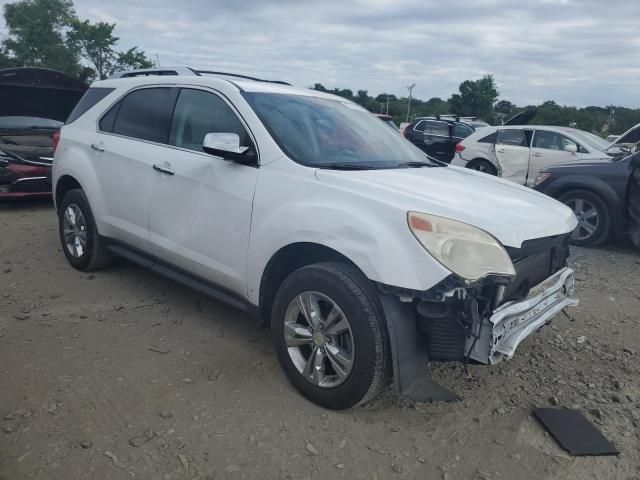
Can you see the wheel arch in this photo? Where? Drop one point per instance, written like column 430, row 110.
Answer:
column 64, row 184
column 285, row 261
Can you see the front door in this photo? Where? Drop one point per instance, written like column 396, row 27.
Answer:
column 549, row 148
column 200, row 208
column 512, row 153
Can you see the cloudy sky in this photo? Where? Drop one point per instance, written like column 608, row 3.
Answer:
column 578, row 52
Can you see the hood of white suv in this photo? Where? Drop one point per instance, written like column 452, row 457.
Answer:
column 508, row 211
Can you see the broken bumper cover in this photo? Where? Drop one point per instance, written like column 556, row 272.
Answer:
column 512, row 322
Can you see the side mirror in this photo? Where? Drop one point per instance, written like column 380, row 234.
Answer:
column 571, row 147
column 227, row 146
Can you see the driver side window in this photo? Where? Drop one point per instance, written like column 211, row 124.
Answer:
column 197, row 113
column 552, row 141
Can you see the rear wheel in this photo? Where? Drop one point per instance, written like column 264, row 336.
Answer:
column 592, row 214
column 330, row 335
column 82, row 245
column 483, row 166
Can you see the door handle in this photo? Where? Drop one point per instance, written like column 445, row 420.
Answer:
column 98, row 147
column 536, row 154
column 500, row 150
column 164, row 169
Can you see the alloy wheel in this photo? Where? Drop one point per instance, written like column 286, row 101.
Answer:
column 318, row 339
column 588, row 218
column 75, row 231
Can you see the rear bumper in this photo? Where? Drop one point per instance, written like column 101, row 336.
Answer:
column 458, row 161
column 512, row 322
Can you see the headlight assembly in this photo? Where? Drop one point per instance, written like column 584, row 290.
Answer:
column 467, row 251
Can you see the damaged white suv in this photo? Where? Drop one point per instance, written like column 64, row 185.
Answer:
column 367, row 258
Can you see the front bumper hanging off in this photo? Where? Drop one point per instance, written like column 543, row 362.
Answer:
column 511, row 323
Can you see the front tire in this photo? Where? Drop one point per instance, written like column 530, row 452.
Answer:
column 594, row 222
column 82, row 245
column 330, row 335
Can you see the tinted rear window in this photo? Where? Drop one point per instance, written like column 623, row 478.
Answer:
column 144, row 114
column 489, row 138
column 88, row 100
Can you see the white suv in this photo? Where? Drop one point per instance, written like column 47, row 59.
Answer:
column 519, row 153
column 365, row 257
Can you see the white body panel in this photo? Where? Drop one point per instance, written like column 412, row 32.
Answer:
column 224, row 221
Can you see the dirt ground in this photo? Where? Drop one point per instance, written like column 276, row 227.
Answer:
column 122, row 374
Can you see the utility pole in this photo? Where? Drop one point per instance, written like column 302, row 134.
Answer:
column 410, row 88
column 387, row 104
column 158, row 60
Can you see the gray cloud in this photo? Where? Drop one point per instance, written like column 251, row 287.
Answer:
column 579, row 52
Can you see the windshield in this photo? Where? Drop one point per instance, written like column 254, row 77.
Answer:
column 329, row 133
column 25, row 123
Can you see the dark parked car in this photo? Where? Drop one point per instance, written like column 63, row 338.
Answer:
column 438, row 136
column 604, row 195
column 34, row 103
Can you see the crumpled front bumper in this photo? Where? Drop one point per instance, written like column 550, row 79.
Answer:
column 512, row 322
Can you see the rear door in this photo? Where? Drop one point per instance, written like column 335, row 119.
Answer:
column 548, row 148
column 129, row 141
column 437, row 140
column 512, row 153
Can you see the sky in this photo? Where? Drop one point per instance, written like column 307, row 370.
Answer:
column 576, row 52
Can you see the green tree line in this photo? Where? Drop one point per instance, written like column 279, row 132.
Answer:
column 48, row 33
column 480, row 98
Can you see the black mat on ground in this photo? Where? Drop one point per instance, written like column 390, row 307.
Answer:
column 574, row 432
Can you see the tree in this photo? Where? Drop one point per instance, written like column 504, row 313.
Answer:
column 476, row 97
column 37, row 34
column 132, row 59
column 96, row 43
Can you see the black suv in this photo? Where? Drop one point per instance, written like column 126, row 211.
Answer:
column 437, row 136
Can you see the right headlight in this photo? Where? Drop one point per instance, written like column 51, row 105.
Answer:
column 467, row 251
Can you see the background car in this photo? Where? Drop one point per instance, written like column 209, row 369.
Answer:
column 34, row 103
column 388, row 119
column 519, row 152
column 604, row 195
column 437, row 136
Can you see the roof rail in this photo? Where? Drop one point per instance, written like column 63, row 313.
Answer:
column 188, row 72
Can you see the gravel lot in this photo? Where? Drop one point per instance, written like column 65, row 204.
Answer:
column 123, row 374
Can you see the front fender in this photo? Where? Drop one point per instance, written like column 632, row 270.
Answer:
column 373, row 235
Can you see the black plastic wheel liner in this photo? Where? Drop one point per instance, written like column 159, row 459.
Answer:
column 633, row 204
column 38, row 92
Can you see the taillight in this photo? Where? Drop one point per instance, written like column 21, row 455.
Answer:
column 459, row 147
column 56, row 139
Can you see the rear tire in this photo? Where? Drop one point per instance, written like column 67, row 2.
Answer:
column 594, row 221
column 483, row 166
column 363, row 344
column 81, row 244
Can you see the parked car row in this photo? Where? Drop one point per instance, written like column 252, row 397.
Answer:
column 367, row 258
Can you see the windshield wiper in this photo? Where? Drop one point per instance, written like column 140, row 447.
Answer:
column 417, row 164
column 344, row 166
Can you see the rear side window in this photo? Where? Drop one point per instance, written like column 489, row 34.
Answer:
column 197, row 113
column 420, row 126
column 489, row 138
column 144, row 114
column 461, row 131
column 88, row 100
column 512, row 137
column 440, row 129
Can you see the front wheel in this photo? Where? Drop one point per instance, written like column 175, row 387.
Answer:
column 330, row 336
column 593, row 217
